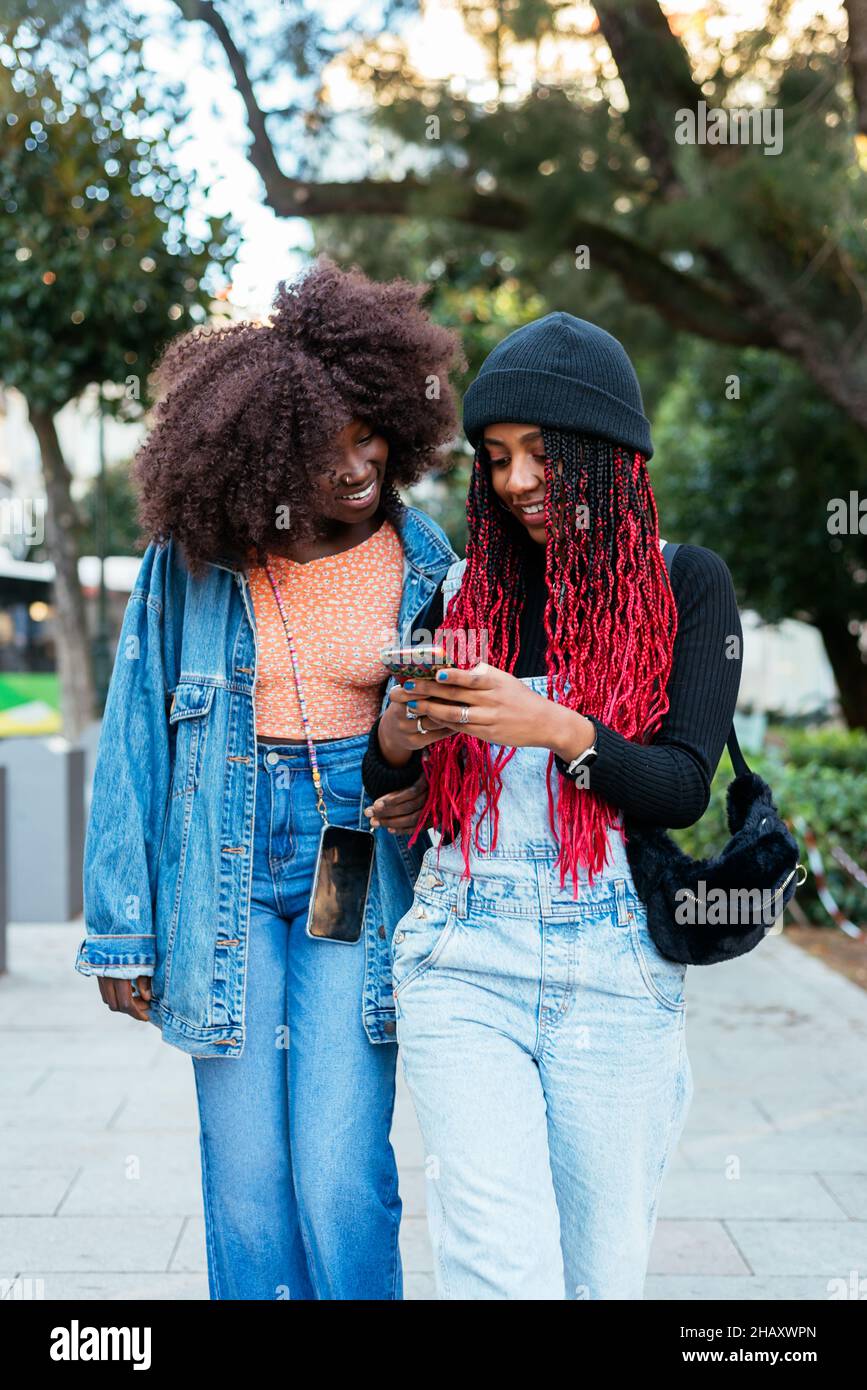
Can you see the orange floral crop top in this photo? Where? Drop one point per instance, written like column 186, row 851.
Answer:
column 342, row 610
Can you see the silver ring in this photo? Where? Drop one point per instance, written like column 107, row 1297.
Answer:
column 465, row 714
column 418, row 724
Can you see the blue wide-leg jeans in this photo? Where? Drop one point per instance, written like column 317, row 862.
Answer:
column 298, row 1175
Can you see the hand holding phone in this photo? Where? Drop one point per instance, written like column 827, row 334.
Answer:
column 398, row 736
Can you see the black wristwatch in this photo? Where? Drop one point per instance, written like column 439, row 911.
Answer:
column 572, row 768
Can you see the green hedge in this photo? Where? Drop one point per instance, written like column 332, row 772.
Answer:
column 819, row 774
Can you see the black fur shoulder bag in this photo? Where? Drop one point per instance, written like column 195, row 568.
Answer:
column 701, row 911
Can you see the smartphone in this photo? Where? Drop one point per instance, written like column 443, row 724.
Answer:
column 407, row 662
column 341, row 884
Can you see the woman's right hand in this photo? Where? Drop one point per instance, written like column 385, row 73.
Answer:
column 118, row 995
column 399, row 737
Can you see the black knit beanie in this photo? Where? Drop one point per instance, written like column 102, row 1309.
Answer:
column 562, row 372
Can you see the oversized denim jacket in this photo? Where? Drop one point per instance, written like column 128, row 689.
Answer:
column 167, row 856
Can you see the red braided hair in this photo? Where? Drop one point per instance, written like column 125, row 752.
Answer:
column 610, row 623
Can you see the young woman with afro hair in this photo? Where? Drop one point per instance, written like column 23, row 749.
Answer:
column 279, row 554
column 541, row 1030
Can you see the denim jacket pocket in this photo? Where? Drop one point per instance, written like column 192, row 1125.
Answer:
column 190, row 704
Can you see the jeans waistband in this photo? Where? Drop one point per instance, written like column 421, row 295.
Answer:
column 524, row 888
column 328, row 752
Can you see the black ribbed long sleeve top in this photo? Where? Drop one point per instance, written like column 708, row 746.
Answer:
column 666, row 782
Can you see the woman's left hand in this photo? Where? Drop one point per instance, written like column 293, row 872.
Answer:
column 500, row 708
column 398, row 812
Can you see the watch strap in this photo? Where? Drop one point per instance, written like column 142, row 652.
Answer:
column 565, row 765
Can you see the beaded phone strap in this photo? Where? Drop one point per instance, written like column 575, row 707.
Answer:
column 317, row 777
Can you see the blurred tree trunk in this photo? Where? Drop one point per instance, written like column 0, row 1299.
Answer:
column 857, row 13
column 71, row 641
column 849, row 667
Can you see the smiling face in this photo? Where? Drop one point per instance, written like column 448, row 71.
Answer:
column 517, row 455
column 348, row 489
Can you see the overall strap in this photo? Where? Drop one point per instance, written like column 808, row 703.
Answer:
column 452, row 580
column 739, row 762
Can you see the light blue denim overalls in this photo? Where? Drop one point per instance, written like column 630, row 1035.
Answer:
column 542, row 1039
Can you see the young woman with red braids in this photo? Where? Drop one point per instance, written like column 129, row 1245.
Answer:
column 541, row 1031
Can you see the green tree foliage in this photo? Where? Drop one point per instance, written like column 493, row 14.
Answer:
column 99, row 267
column 567, row 158
column 121, row 524
column 101, row 262
column 751, row 475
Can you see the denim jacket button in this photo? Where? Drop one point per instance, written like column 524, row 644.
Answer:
column 389, row 1027
column 381, row 933
column 272, row 758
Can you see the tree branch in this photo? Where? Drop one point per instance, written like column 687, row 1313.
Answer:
column 684, row 301
column 261, row 154
column 725, row 310
column 655, row 71
column 844, row 381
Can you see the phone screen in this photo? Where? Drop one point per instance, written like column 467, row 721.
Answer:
column 340, row 888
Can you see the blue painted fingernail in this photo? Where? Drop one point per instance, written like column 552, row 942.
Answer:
column 442, row 675
column 409, row 685
column 412, row 704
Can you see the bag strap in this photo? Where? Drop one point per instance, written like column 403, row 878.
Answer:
column 739, row 762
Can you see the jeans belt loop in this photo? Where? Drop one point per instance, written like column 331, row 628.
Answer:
column 620, row 895
column 461, row 897
column 543, row 885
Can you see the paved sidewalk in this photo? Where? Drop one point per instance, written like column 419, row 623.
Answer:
column 767, row 1196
